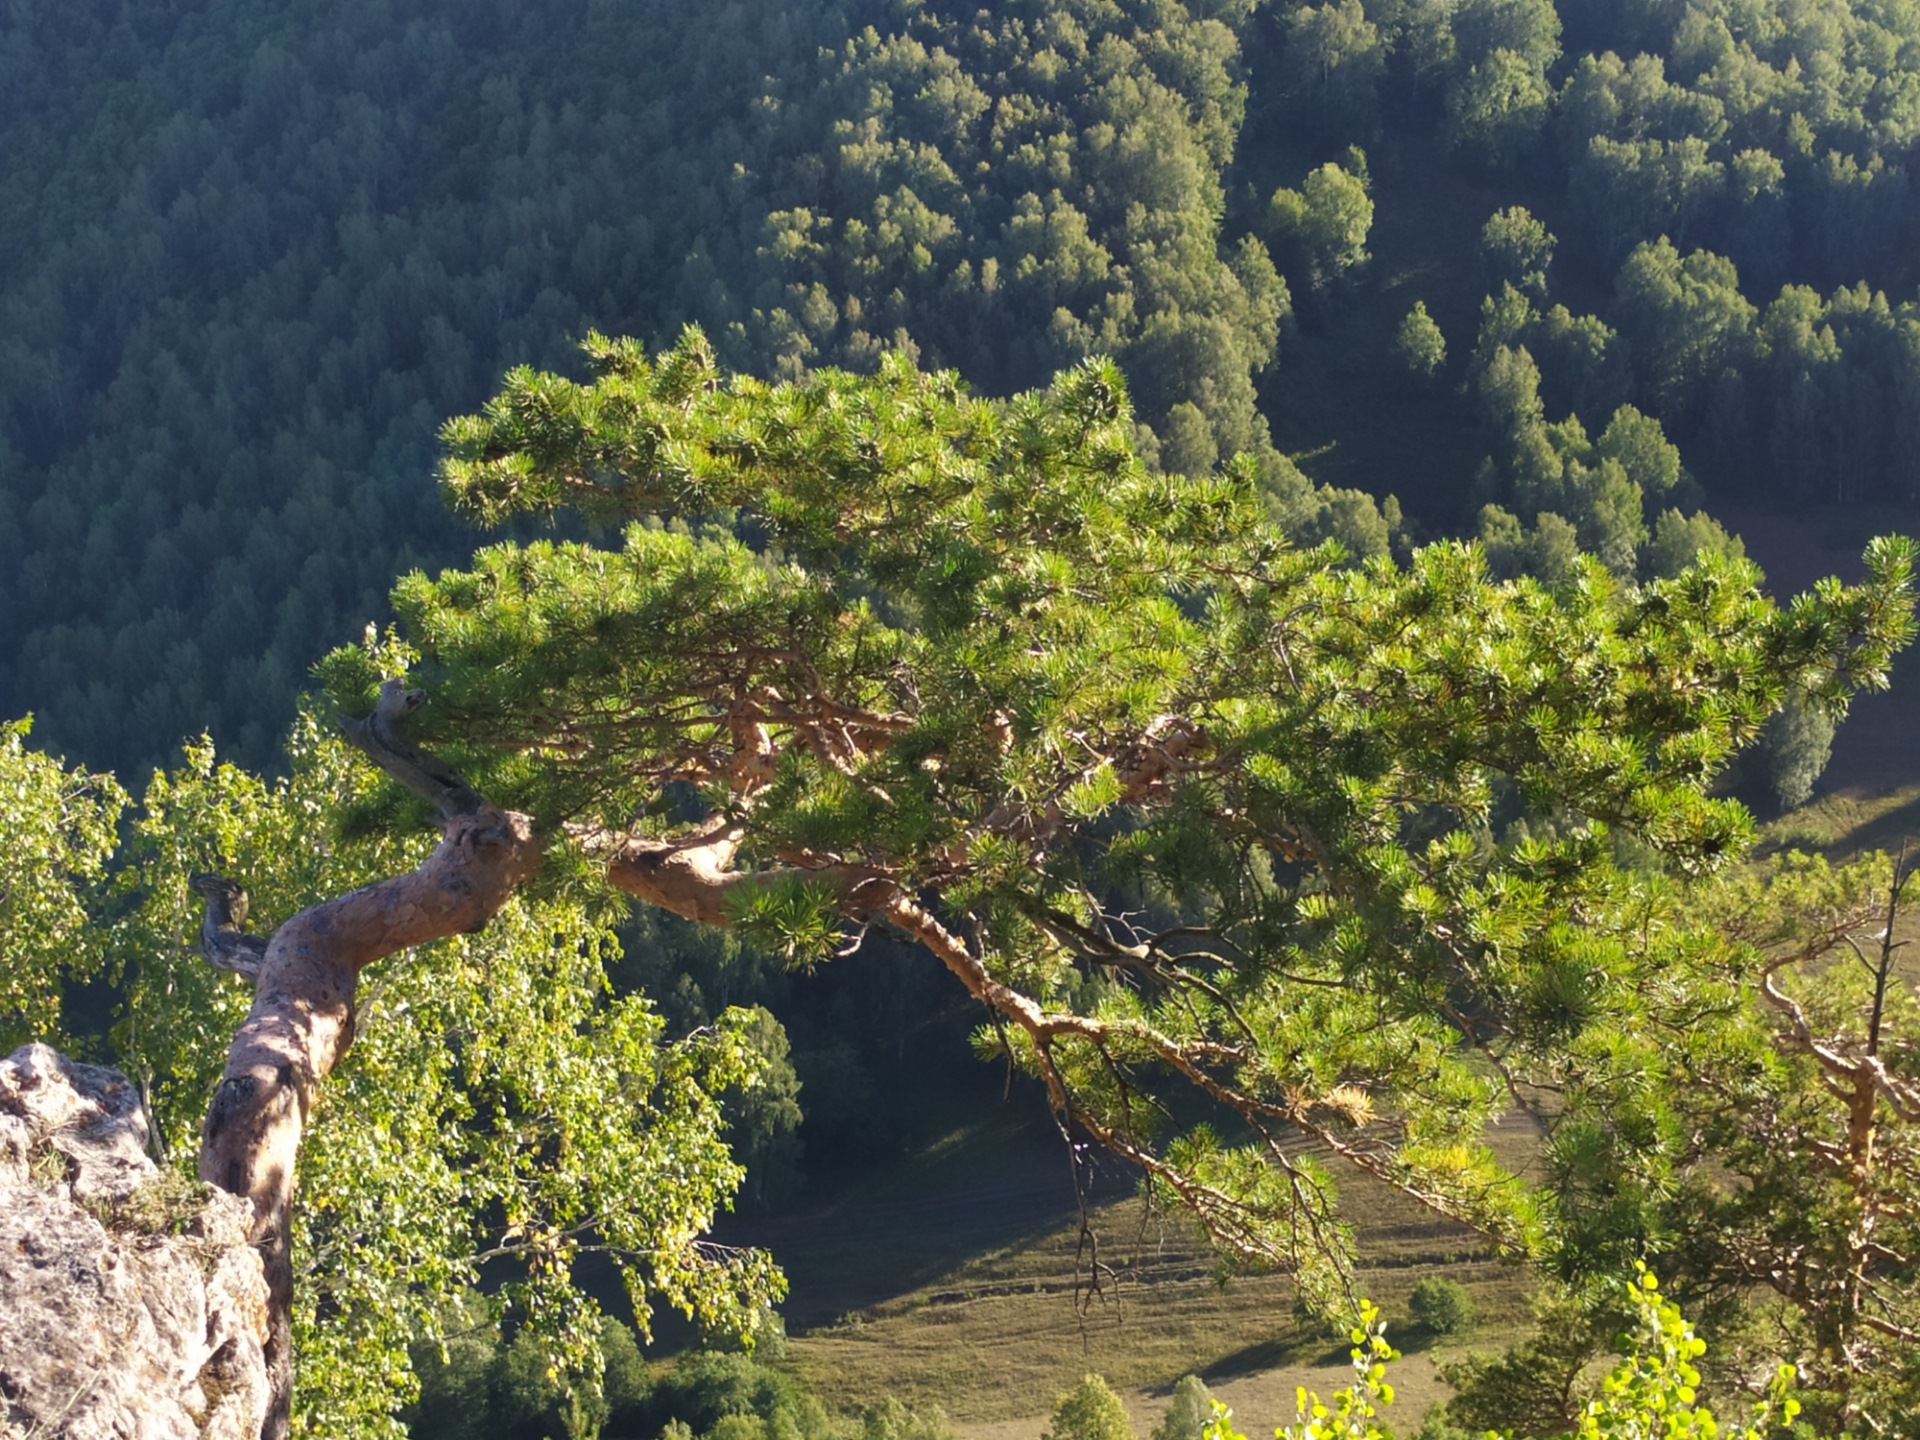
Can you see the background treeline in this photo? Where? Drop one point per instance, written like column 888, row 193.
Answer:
column 1734, row 180
column 256, row 254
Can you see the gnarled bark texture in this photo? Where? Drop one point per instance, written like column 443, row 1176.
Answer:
column 301, row 1023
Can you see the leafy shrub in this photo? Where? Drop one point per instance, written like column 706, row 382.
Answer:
column 1187, row 1416
column 1443, row 1307
column 1090, row 1411
column 890, row 1420
column 708, row 1385
column 479, row 1388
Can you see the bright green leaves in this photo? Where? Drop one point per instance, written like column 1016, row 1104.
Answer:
column 273, row 838
column 496, row 1104
column 1655, row 1389
column 59, row 825
column 1351, row 1413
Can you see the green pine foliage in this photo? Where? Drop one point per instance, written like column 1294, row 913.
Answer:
column 977, row 592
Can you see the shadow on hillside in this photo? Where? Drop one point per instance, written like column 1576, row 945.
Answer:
column 1291, row 1350
column 1890, row 830
column 1250, row 1360
column 996, row 1187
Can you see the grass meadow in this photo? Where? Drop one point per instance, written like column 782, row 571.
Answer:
column 969, row 1278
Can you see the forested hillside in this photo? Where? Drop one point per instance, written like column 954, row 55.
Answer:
column 261, row 254
column 1491, row 253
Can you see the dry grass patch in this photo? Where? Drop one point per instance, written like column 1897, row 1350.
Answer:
column 965, row 1281
column 1847, row 823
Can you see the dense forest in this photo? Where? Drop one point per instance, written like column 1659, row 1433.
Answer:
column 257, row 255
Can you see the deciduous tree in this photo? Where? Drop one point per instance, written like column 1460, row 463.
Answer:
column 1419, row 342
column 496, row 1105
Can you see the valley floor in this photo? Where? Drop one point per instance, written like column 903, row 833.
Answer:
column 964, row 1279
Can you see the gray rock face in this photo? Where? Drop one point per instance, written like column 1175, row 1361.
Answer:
column 131, row 1305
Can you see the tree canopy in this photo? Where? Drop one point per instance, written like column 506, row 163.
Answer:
column 259, row 254
column 1132, row 699
column 1174, row 800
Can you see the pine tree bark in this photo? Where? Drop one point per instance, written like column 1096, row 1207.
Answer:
column 301, row 1022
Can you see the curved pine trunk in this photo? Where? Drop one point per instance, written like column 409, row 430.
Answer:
column 301, row 1023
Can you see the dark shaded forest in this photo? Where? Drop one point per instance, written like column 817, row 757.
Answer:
column 257, row 254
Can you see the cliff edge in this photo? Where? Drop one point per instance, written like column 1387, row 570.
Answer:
column 132, row 1306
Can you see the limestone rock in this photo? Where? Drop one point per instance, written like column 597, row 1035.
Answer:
column 131, row 1305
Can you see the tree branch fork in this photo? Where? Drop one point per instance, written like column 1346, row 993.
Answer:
column 694, row 874
column 305, row 976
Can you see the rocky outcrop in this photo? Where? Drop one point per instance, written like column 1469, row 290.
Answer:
column 132, row 1306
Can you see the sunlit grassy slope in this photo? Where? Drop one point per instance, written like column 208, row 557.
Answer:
column 963, row 1278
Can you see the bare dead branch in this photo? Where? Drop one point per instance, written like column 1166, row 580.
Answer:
column 224, row 943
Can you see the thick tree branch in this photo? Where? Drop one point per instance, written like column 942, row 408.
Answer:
column 690, row 876
column 301, row 1022
column 382, row 737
